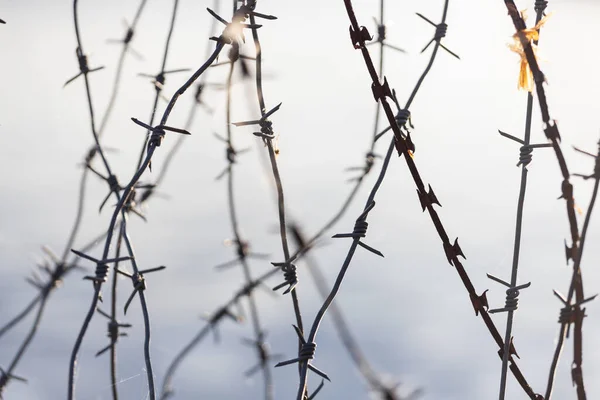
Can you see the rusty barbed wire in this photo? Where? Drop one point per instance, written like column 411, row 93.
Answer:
column 572, row 313
column 405, row 147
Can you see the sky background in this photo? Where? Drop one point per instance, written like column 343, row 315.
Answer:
column 409, row 310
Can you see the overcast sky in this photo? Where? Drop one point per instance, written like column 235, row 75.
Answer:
column 408, row 310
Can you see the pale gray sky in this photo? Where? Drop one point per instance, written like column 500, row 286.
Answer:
column 425, row 334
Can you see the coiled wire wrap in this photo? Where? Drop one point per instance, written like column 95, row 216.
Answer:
column 100, row 274
column 83, row 61
column 360, row 228
column 511, row 303
column 512, row 299
column 525, row 155
column 289, row 275
column 307, row 351
column 440, row 31
column 567, row 315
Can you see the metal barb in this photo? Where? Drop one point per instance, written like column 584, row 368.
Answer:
column 512, row 295
column 305, row 354
column 360, row 230
column 84, row 69
column 289, row 275
column 440, row 33
column 263, row 352
column 139, row 282
column 113, row 329
column 102, row 268
column 525, row 151
column 233, row 30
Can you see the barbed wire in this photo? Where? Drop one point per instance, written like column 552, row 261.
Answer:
column 513, row 291
column 242, row 246
column 552, row 133
column 405, row 147
column 158, row 80
column 360, row 228
column 129, row 200
column 57, row 268
column 358, row 357
column 125, row 49
column 230, row 33
column 267, row 134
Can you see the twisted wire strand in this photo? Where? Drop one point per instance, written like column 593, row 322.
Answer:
column 525, row 157
column 340, row 324
column 44, row 291
column 553, row 134
column 137, row 275
column 254, row 314
column 266, row 128
column 59, row 272
column 113, row 316
column 160, row 80
column 360, row 226
column 152, row 145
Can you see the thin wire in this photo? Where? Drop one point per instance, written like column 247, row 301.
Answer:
column 381, row 51
column 256, row 326
column 120, row 64
column 113, row 315
column 144, row 306
column 126, row 193
column 553, row 134
column 339, row 320
column 579, row 313
column 158, row 85
column 88, row 92
column 274, row 165
column 192, row 114
column 60, row 272
column 340, row 277
column 517, row 240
